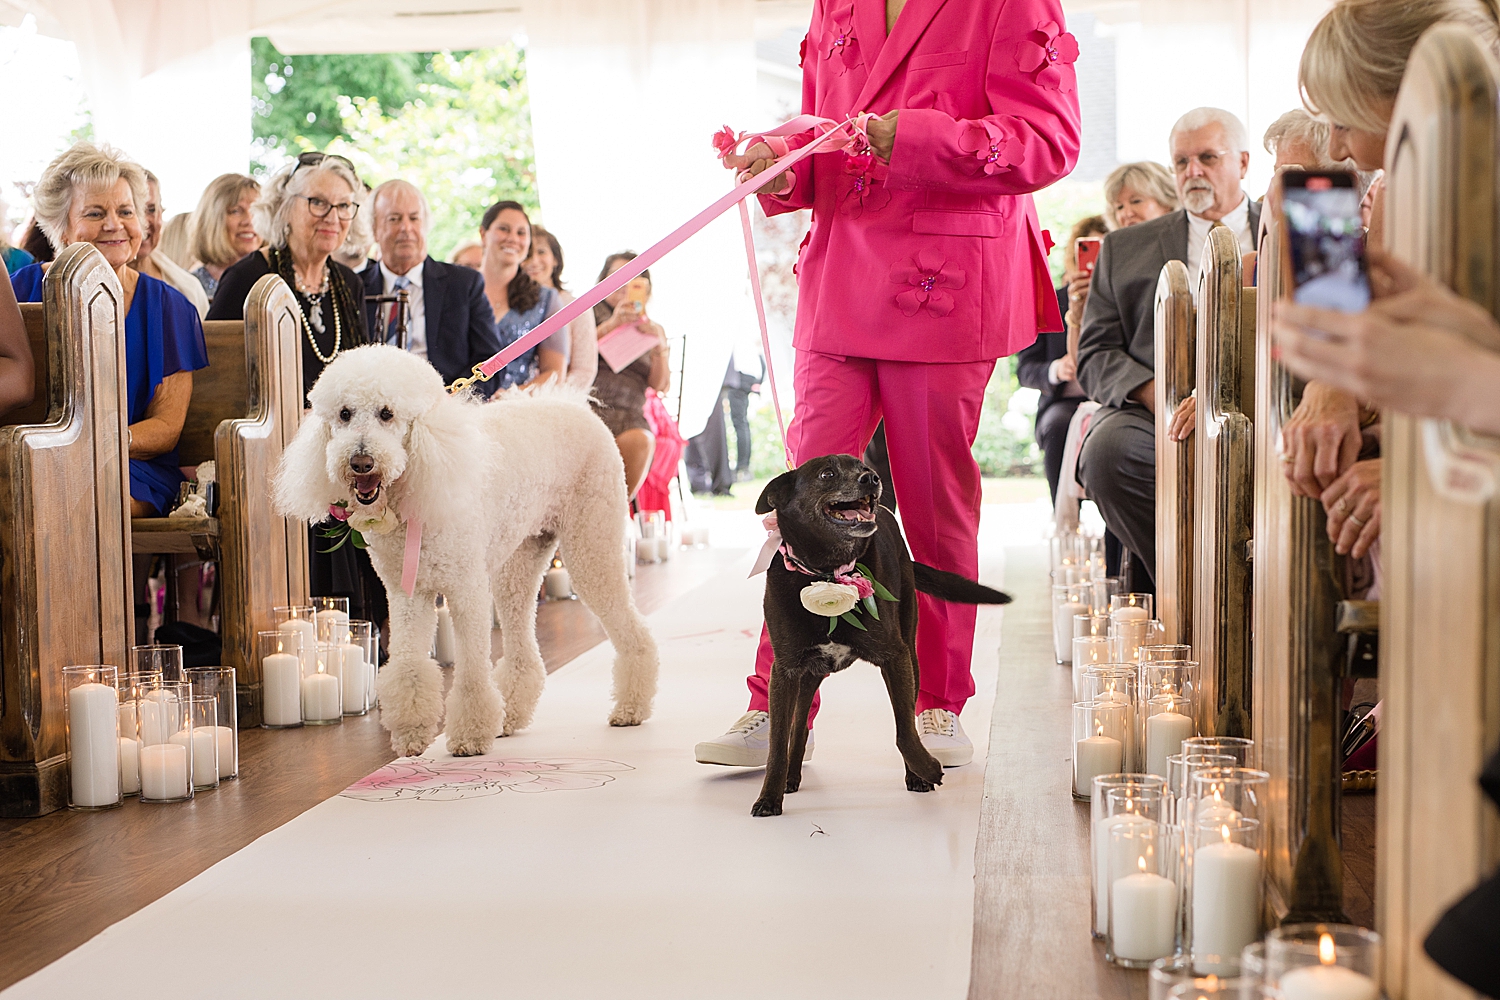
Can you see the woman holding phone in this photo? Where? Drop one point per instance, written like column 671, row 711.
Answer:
column 520, row 304
column 622, row 393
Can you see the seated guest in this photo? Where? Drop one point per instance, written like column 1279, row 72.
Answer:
column 14, row 258
column 1297, row 139
column 622, row 395
column 469, row 254
column 17, row 373
column 1048, row 367
column 223, row 229
column 1117, row 346
column 158, row 265
column 35, row 243
column 545, row 265
column 89, row 194
column 519, row 302
column 450, row 322
column 177, row 241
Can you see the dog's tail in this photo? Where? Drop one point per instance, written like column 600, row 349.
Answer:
column 955, row 588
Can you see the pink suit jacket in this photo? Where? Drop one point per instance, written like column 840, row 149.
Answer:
column 936, row 256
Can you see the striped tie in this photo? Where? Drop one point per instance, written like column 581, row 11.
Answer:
column 390, row 328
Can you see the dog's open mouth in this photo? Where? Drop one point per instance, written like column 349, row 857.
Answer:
column 367, row 488
column 851, row 511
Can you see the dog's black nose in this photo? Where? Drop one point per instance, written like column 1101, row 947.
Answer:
column 362, row 465
column 868, row 478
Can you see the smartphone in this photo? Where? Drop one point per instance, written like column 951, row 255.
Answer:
column 638, row 291
column 1086, row 252
column 1327, row 240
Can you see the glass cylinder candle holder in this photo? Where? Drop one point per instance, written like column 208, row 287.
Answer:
column 1068, row 601
column 1113, row 682
column 1125, row 607
column 1130, row 634
column 1091, row 625
column 166, row 765
column 1166, row 720
column 1212, row 987
column 322, row 696
column 1095, row 753
column 1105, row 587
column 1156, row 653
column 220, row 683
column 1089, row 651
column 1228, row 809
column 1116, row 800
column 280, row 655
column 165, row 660
column 1143, row 899
column 1167, row 973
column 1066, row 548
column 300, row 619
column 91, row 718
column 131, row 688
column 1253, row 961
column 363, row 635
column 1313, row 961
column 200, row 737
column 1180, row 770
column 332, row 610
column 1238, row 747
column 558, row 585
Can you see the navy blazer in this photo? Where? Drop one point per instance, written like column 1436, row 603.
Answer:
column 460, row 323
column 1034, row 362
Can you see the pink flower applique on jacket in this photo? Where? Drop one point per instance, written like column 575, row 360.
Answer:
column 992, row 147
column 926, row 275
column 1045, row 53
column 841, row 47
column 864, row 182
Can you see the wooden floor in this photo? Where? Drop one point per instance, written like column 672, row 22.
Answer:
column 69, row 875
column 1031, row 902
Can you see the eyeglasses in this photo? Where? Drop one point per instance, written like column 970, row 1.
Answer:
column 312, row 158
column 1208, row 160
column 319, row 208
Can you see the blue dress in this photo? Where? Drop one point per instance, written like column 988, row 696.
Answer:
column 15, row 259
column 514, row 325
column 163, row 336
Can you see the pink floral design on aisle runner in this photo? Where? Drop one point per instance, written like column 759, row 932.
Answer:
column 1046, row 53
column 449, row 778
column 927, row 274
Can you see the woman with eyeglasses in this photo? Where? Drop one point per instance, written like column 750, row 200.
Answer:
column 304, row 214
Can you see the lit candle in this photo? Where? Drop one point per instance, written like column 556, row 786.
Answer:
column 203, row 742
column 320, row 698
column 128, row 721
column 93, row 745
column 1226, row 898
column 1165, row 732
column 130, row 765
column 309, row 633
column 1129, row 614
column 559, row 585
column 164, row 771
column 225, row 736
column 446, row 643
column 1099, row 754
column 353, row 677
column 158, row 713
column 1062, row 628
column 281, row 689
column 1120, row 726
column 1143, row 915
column 1103, row 832
column 1327, row 981
column 664, row 548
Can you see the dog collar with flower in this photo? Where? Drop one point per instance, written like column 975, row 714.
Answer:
column 352, row 526
column 840, row 595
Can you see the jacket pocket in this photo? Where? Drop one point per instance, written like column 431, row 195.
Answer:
column 945, row 223
column 932, row 60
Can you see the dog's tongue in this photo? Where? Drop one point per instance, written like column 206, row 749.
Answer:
column 367, row 483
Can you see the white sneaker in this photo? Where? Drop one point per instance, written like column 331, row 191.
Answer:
column 944, row 738
column 745, row 745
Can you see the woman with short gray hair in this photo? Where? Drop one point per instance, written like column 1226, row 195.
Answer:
column 304, row 214
column 1138, row 192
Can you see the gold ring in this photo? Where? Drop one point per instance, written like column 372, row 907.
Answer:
column 1357, row 521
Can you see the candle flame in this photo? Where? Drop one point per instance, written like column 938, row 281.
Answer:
column 1098, row 727
column 1140, row 863
column 1325, row 949
column 1224, row 830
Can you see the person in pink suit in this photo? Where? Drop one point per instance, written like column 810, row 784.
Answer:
column 925, row 264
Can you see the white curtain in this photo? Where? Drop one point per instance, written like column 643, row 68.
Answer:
column 625, row 95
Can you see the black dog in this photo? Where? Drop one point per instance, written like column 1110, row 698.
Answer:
column 833, row 531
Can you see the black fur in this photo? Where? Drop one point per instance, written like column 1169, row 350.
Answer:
column 805, row 652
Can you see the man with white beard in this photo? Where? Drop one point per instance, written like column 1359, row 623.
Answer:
column 1117, row 346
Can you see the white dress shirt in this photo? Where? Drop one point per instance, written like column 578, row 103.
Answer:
column 416, row 326
column 1238, row 222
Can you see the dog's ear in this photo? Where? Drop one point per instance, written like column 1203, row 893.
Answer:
column 777, row 492
column 303, row 489
column 442, row 447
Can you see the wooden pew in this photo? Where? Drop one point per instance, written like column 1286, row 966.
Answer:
column 1225, row 443
column 1440, row 615
column 1297, row 655
column 64, row 533
column 246, row 408
column 1176, row 507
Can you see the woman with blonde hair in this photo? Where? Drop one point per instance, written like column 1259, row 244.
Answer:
column 223, row 231
column 1138, row 192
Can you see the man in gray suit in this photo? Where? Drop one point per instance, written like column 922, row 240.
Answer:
column 1117, row 346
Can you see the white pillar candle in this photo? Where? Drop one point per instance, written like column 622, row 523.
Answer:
column 1165, row 732
column 203, row 742
column 158, row 714
column 128, row 720
column 309, row 633
column 94, row 744
column 1327, row 982
column 130, row 765
column 225, row 735
column 664, row 547
column 372, row 672
column 164, row 771
column 1128, row 614
column 1143, row 917
column 1121, row 726
column 446, row 643
column 330, row 615
column 320, row 698
column 1092, row 757
column 353, row 677
column 1062, row 629
column 559, row 585
column 1226, row 899
column 281, row 689
column 1102, row 858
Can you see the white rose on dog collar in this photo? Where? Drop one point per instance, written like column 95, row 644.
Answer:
column 824, row 597
column 382, row 524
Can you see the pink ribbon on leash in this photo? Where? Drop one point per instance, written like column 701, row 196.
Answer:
column 413, row 555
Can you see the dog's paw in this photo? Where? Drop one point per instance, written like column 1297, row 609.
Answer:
column 793, row 782
column 916, row 783
column 629, row 715
column 766, row 806
column 470, row 746
column 410, row 743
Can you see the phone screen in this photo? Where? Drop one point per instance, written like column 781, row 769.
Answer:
column 1086, row 252
column 1327, row 240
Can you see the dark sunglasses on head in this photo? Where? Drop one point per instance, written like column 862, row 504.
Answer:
column 312, row 158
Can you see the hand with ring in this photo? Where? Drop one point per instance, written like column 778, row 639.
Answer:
column 1353, row 507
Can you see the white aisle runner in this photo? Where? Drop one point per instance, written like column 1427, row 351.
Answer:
column 580, row 861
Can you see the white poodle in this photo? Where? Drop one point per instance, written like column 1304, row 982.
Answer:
column 496, row 487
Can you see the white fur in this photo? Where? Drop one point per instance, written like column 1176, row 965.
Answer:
column 496, row 486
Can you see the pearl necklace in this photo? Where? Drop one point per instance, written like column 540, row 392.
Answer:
column 315, row 300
